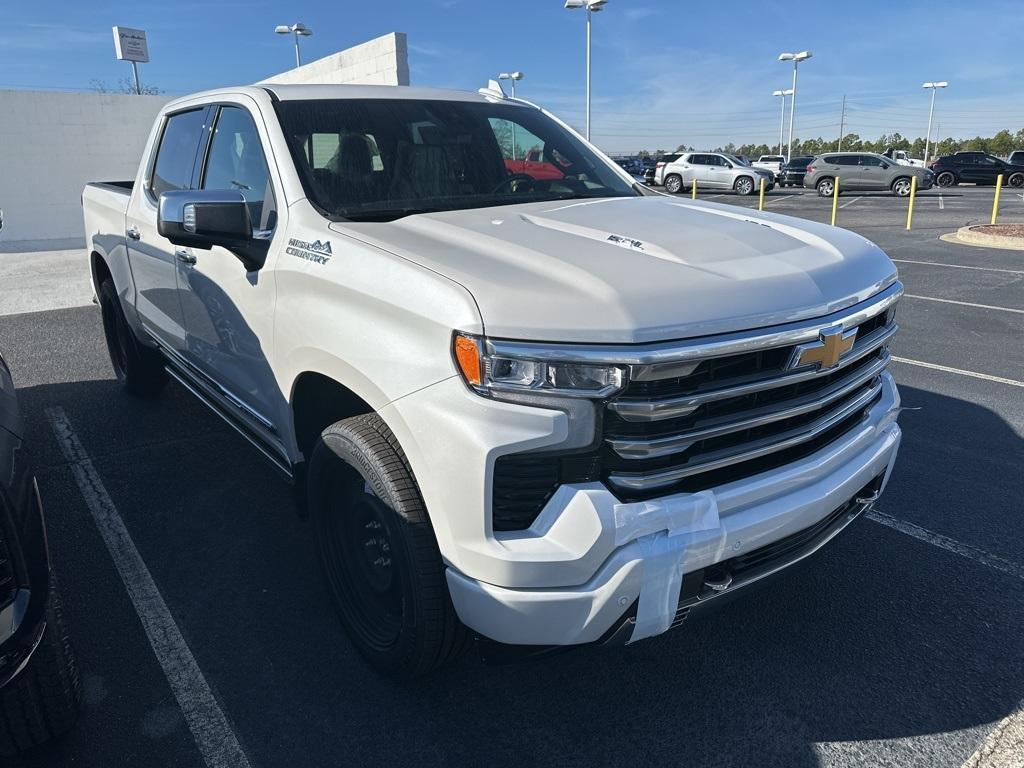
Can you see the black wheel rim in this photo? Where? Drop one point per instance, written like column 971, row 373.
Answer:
column 945, row 179
column 359, row 560
column 1017, row 180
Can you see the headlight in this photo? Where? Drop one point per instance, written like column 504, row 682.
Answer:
column 487, row 373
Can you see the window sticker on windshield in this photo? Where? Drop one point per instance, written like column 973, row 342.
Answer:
column 319, row 251
column 626, row 242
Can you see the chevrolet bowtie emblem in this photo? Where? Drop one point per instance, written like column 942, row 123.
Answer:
column 826, row 352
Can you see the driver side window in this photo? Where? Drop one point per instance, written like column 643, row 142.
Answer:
column 236, row 162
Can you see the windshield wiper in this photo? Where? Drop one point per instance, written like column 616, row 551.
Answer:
column 382, row 214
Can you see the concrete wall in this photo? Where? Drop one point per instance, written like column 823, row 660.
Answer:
column 51, row 144
column 382, row 61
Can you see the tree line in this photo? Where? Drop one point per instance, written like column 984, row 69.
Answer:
column 1002, row 144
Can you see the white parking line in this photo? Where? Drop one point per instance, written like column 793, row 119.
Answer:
column 960, row 266
column 849, row 202
column 965, row 303
column 942, row 202
column 213, row 736
column 960, row 371
column 779, row 198
column 950, row 545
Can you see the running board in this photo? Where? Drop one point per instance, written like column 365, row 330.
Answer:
column 279, row 463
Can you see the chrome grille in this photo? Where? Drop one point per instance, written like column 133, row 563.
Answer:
column 700, row 419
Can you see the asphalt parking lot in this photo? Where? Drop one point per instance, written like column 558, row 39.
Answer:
column 900, row 645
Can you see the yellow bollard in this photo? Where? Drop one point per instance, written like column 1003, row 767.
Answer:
column 835, row 199
column 693, row 190
column 995, row 202
column 913, row 194
column 760, row 203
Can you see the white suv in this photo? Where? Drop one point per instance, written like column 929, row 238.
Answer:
column 714, row 170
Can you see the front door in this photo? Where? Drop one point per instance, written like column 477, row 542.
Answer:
column 228, row 312
column 152, row 258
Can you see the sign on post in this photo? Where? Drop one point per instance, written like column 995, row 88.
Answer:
column 130, row 44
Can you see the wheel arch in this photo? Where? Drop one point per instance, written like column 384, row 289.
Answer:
column 319, row 400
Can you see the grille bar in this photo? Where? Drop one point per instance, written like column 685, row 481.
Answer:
column 640, row 448
column 668, row 408
column 645, row 481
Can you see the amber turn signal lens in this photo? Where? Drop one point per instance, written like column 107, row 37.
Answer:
column 467, row 355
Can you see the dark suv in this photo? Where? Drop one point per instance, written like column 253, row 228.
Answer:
column 975, row 168
column 792, row 173
column 39, row 685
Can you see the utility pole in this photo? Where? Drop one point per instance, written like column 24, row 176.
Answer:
column 842, row 124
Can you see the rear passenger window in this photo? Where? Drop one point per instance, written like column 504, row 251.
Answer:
column 176, row 156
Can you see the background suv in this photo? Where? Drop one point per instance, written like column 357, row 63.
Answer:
column 792, row 173
column 712, row 170
column 976, row 168
column 863, row 171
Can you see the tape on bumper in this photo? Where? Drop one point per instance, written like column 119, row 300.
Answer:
column 664, row 530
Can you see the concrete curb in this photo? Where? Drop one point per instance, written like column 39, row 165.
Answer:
column 975, row 235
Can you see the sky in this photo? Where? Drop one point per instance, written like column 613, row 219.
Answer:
column 665, row 72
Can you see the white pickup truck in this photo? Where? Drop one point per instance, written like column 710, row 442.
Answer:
column 771, row 163
column 539, row 408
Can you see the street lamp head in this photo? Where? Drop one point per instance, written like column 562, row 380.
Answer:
column 802, row 55
column 283, row 29
column 787, row 92
column 591, row 5
column 942, row 84
column 299, row 29
column 786, row 56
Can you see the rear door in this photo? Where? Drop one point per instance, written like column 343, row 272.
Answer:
column 153, row 259
column 847, row 169
column 968, row 168
column 228, row 312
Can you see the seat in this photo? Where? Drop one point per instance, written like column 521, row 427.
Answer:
column 422, row 172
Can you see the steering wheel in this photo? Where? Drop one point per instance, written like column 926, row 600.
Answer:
column 514, row 177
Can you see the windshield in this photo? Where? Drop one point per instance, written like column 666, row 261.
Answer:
column 381, row 159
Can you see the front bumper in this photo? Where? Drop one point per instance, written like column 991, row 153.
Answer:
column 752, row 515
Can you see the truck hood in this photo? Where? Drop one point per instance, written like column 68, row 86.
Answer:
column 633, row 270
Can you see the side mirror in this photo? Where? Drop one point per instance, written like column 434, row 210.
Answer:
column 203, row 218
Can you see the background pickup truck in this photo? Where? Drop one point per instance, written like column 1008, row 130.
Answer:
column 771, row 163
column 538, row 410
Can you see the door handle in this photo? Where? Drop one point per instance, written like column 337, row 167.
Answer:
column 133, row 233
column 184, row 256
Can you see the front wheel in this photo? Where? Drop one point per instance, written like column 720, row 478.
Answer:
column 744, row 185
column 673, row 183
column 901, row 187
column 826, row 187
column 946, row 179
column 1016, row 180
column 378, row 550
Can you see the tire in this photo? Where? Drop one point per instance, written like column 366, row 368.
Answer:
column 139, row 369
column 378, row 550
column 901, row 187
column 673, row 183
column 42, row 702
column 744, row 185
column 946, row 179
column 826, row 187
column 1016, row 180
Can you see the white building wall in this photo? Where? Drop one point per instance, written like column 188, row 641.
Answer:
column 381, row 61
column 51, row 144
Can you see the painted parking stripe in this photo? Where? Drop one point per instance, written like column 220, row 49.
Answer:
column 780, row 198
column 950, row 545
column 210, row 729
column 959, row 371
column 849, row 202
column 960, row 266
column 965, row 303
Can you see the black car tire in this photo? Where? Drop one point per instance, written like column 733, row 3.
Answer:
column 139, row 369
column 1016, row 180
column 901, row 186
column 825, row 186
column 42, row 702
column 378, row 550
column 744, row 185
column 946, row 179
column 673, row 183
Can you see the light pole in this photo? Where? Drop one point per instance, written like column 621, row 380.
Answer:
column 796, row 58
column 298, row 30
column 592, row 6
column 931, row 110
column 513, row 76
column 782, row 117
